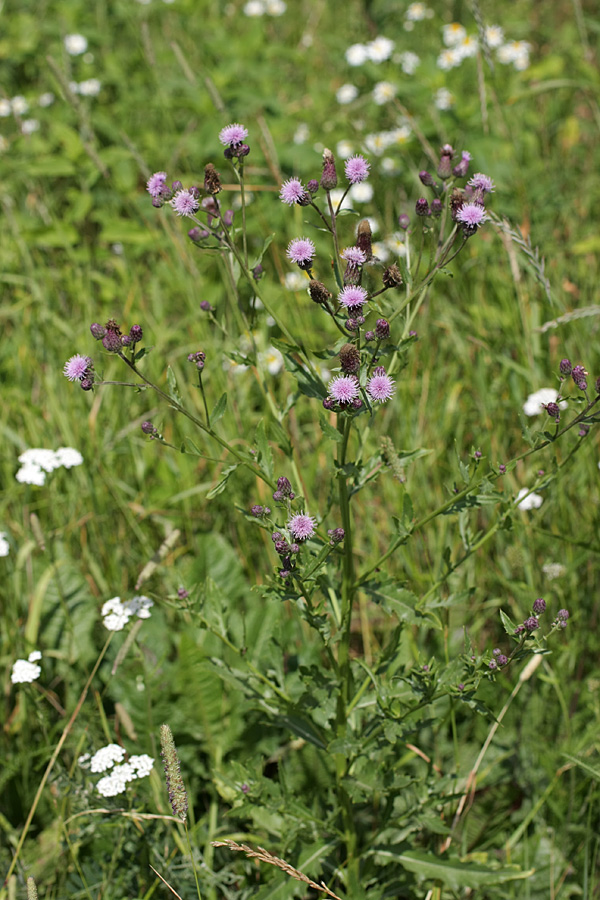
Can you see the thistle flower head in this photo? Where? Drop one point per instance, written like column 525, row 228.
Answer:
column 184, row 203
column 352, row 296
column 356, row 169
column 302, row 252
column 157, row 184
column 481, row 182
column 471, row 216
column 175, row 786
column 233, row 135
column 76, row 367
column 354, row 256
column 292, row 191
column 301, row 526
column 343, row 389
column 380, row 387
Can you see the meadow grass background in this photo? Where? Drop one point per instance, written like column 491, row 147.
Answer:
column 82, row 243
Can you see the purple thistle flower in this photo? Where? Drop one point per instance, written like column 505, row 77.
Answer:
column 301, row 251
column 343, row 388
column 184, row 203
column 232, row 135
column 461, row 168
column 291, row 191
column 354, row 256
column 352, row 296
column 301, row 526
column 76, row 367
column 156, row 184
column 471, row 215
column 357, row 169
column 481, row 182
column 380, row 387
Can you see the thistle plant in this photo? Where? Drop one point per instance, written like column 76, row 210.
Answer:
column 358, row 710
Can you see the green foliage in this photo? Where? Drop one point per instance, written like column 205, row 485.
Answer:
column 345, row 743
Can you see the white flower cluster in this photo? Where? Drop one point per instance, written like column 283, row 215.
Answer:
column 26, row 670
column 443, row 99
column 533, row 405
column 255, row 8
column 553, row 570
column 122, row 774
column 271, row 359
column 378, row 143
column 117, row 614
column 37, row 461
column 528, row 500
column 375, row 51
column 416, row 12
column 4, row 545
column 75, row 44
column 461, row 46
column 91, row 87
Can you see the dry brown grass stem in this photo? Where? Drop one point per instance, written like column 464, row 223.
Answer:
column 263, row 855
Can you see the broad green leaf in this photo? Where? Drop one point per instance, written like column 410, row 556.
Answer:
column 332, row 433
column 172, row 382
column 455, row 874
column 509, row 625
column 222, row 483
column 219, row 409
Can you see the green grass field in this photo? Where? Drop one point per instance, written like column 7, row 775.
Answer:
column 349, row 723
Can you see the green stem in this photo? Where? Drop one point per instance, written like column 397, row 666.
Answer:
column 187, row 834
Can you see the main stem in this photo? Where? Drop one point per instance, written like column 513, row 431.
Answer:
column 345, row 675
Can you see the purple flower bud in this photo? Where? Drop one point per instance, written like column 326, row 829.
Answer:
column 413, row 334
column 493, row 664
column 349, row 359
column 578, row 375
column 496, row 651
column 478, row 454
column 369, row 336
column 531, row 624
column 198, row 358
column 553, row 410
column 241, row 151
column 583, row 430
column 276, row 536
column 356, row 403
column 460, row 687
column 336, row 535
column 351, row 325
column 563, row 614
column 539, row 606
column 392, row 277
column 328, row 404
column 404, row 221
column 282, row 547
column 257, row 511
column 112, row 341
column 382, row 329
column 244, row 789
column 257, row 272
column 148, row 428
column 228, row 218
column 126, row 340
column 502, row 469
column 176, row 186
column 422, row 207
column 284, row 485
column 565, row 367
column 329, row 176
column 502, row 659
column 460, row 169
column 445, row 166
column 98, row 331
column 437, row 207
column 182, row 593
column 313, row 186
column 519, row 629
column 87, row 383
column 206, row 306
column 426, row 179
column 136, row 333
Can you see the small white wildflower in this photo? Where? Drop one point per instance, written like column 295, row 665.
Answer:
column 31, row 474
column 139, row 606
column 46, row 99
column 40, row 456
column 443, row 99
column 28, row 126
column 467, row 47
column 237, row 200
column 533, row 404
column 4, row 545
column 75, row 44
column 396, row 243
column 90, row 88
column 294, row 281
column 409, row 62
column 106, row 757
column 380, row 251
column 379, row 49
column 19, row 105
column 68, row 457
column 142, row 764
column 346, row 94
column 84, row 760
column 416, row 12
column 357, row 54
column 453, row 34
column 398, row 136
column 494, row 36
column 254, row 8
column 383, row 92
column 344, row 149
column 271, row 360
column 376, row 144
column 527, row 501
column 275, row 7
column 5, row 108
column 389, row 165
column 116, row 615
column 361, row 193
column 553, row 570
column 515, row 52
column 301, row 133
column 24, row 671
column 449, row 59
column 336, row 196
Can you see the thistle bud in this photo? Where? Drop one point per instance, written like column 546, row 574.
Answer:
column 329, row 176
column 445, row 166
column 404, row 221
column 422, row 207
column 363, row 238
column 427, row 179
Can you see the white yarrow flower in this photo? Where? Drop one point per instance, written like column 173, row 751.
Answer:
column 24, row 671
column 453, row 34
column 28, row 126
column 553, row 570
column 357, row 54
column 379, row 49
column 275, row 7
column 295, row 281
column 90, row 88
column 409, row 62
column 416, row 12
column 346, row 94
column 443, row 99
column 31, row 474
column 527, row 500
column 4, row 545
column 19, row 105
column 75, row 44
column 106, row 757
column 68, row 457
